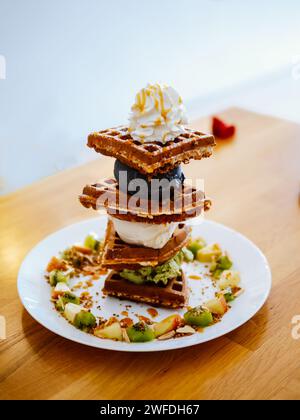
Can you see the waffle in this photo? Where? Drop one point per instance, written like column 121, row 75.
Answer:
column 119, row 255
column 174, row 295
column 189, row 202
column 151, row 158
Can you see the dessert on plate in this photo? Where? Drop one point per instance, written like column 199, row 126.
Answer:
column 147, row 255
column 149, row 201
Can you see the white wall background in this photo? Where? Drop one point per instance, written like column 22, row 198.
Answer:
column 73, row 66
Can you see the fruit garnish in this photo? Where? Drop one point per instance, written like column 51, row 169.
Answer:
column 217, row 306
column 140, row 333
column 209, row 253
column 71, row 310
column 76, row 309
column 113, row 332
column 229, row 297
column 84, row 320
column 166, row 325
column 221, row 264
column 65, row 298
column 195, row 245
column 60, row 289
column 229, row 278
column 221, row 129
column 199, row 316
column 92, row 242
column 57, row 276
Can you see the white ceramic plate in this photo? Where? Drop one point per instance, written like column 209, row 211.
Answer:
column 34, row 291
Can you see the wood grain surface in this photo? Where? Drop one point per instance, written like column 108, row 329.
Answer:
column 254, row 182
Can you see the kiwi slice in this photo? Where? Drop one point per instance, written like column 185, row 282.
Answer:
column 57, row 276
column 195, row 245
column 84, row 320
column 66, row 298
column 92, row 242
column 198, row 316
column 140, row 333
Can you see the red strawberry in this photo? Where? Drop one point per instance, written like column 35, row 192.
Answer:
column 222, row 130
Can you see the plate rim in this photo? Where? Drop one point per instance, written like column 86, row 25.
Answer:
column 140, row 347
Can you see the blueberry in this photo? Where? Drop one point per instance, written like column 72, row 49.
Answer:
column 131, row 184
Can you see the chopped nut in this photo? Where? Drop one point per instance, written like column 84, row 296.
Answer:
column 166, row 336
column 83, row 249
column 238, row 293
column 144, row 319
column 125, row 335
column 187, row 329
column 111, row 321
column 56, row 264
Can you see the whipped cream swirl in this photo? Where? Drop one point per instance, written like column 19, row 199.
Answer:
column 158, row 114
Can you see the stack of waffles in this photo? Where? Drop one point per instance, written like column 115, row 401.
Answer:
column 132, row 217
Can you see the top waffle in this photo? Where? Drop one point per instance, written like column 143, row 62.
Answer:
column 151, row 158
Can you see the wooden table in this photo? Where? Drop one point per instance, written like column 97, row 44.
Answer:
column 254, row 183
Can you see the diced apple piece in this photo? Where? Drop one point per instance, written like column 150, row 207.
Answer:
column 168, row 324
column 209, row 253
column 113, row 332
column 228, row 279
column 60, row 289
column 64, row 298
column 71, row 310
column 217, row 306
column 195, row 244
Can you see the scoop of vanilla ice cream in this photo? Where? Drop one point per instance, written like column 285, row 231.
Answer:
column 158, row 114
column 145, row 234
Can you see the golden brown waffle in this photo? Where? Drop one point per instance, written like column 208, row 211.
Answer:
column 174, row 295
column 189, row 202
column 119, row 255
column 151, row 158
